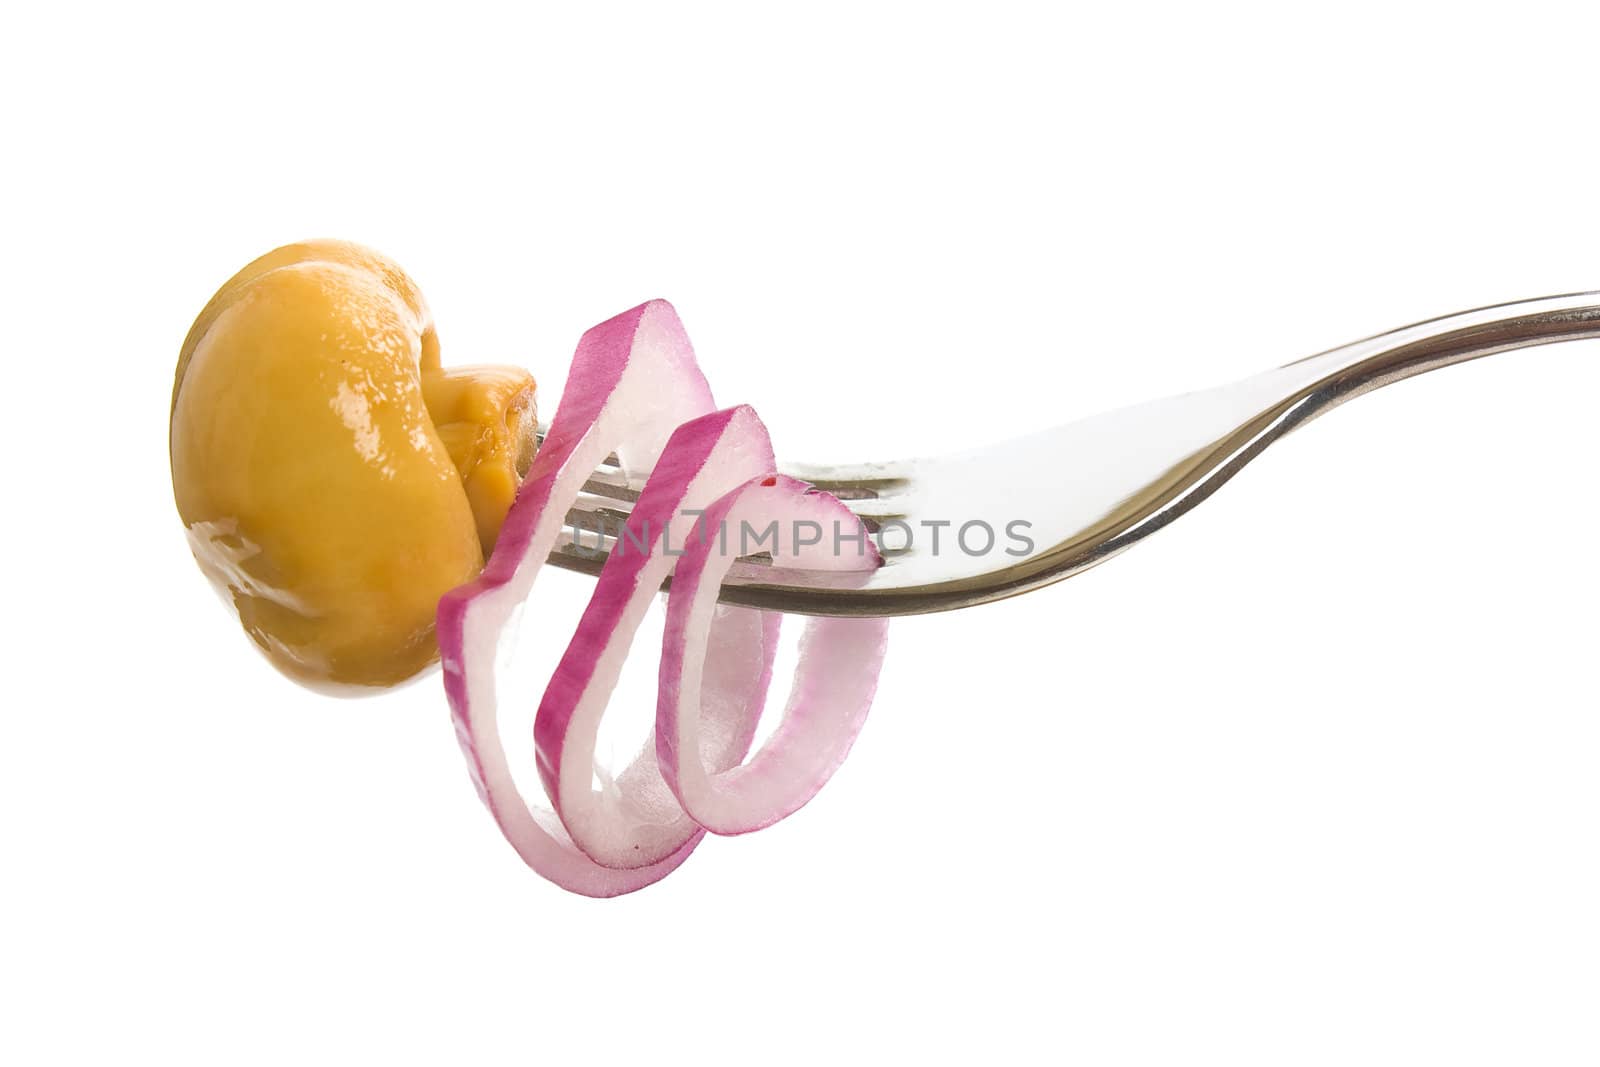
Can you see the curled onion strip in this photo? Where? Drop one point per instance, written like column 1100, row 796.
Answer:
column 634, row 390
column 634, row 820
column 835, row 677
column 633, row 381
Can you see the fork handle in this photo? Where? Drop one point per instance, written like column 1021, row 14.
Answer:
column 1348, row 371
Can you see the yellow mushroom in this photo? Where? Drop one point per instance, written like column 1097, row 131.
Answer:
column 334, row 479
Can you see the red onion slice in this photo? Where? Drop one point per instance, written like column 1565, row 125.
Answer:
column 835, row 678
column 635, row 821
column 633, row 381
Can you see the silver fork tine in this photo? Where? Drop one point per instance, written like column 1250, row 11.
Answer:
column 613, row 486
column 868, row 489
column 603, row 506
column 608, row 496
column 846, row 481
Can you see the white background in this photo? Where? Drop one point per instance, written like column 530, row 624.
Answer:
column 1309, row 778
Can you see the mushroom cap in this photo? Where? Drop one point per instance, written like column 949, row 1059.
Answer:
column 316, row 491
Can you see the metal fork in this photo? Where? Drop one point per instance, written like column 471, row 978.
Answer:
column 1087, row 490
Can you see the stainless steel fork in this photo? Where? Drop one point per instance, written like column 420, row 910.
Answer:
column 956, row 529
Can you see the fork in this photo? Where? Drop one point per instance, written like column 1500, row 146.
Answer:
column 1082, row 492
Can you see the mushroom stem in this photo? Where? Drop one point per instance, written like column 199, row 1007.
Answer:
column 485, row 417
